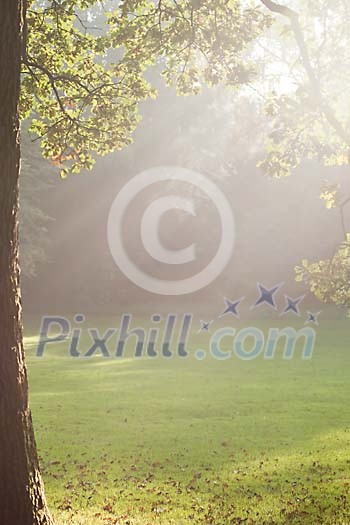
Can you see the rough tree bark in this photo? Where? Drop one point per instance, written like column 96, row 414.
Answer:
column 22, row 500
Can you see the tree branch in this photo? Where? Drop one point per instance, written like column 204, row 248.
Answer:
column 51, row 78
column 293, row 16
column 281, row 9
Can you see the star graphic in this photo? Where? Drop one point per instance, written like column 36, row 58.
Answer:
column 266, row 296
column 231, row 307
column 205, row 326
column 292, row 305
column 313, row 318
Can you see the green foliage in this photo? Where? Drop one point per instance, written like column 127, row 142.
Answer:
column 299, row 132
column 330, row 194
column 83, row 89
column 198, row 40
column 329, row 280
column 79, row 105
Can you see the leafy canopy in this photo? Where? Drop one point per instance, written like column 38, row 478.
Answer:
column 82, row 84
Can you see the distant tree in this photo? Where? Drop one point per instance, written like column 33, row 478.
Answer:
column 307, row 58
column 37, row 179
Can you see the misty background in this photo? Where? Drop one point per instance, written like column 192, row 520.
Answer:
column 66, row 261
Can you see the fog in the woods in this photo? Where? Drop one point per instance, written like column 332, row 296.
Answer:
column 219, row 134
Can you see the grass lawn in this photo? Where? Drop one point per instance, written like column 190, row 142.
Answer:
column 160, row 441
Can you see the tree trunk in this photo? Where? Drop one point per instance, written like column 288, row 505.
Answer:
column 22, row 500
